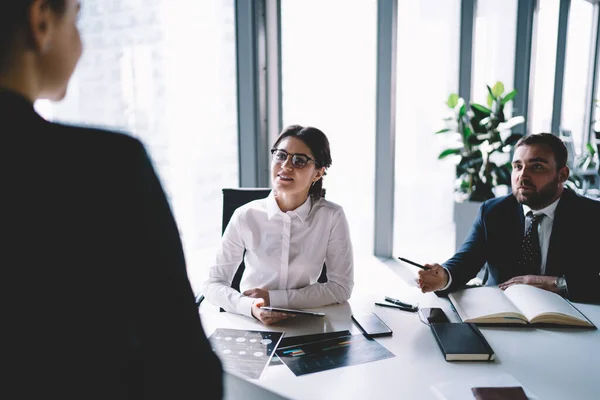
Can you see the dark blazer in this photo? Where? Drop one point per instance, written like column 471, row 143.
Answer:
column 96, row 302
column 496, row 237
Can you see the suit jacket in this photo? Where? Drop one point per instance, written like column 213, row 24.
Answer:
column 497, row 233
column 96, row 298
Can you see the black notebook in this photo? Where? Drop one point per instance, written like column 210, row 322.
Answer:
column 461, row 342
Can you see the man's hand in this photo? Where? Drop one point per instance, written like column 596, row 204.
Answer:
column 432, row 279
column 541, row 281
column 268, row 317
column 258, row 293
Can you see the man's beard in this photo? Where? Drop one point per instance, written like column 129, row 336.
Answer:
column 540, row 198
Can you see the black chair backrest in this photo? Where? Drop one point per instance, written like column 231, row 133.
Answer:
column 234, row 198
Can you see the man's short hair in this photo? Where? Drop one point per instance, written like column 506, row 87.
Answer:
column 559, row 149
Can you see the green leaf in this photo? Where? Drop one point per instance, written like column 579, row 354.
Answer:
column 467, row 132
column 485, row 121
column 490, row 100
column 490, row 92
column 452, row 100
column 590, row 149
column 503, row 173
column 472, row 160
column 511, row 123
column 512, row 139
column 462, row 111
column 448, row 152
column 482, row 109
column 443, row 130
column 474, row 140
column 509, row 97
column 498, row 89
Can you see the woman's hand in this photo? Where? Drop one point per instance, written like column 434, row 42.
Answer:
column 258, row 293
column 268, row 317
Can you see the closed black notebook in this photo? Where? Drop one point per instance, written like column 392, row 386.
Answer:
column 462, row 342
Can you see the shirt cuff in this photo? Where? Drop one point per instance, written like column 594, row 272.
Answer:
column 278, row 298
column 449, row 281
column 245, row 306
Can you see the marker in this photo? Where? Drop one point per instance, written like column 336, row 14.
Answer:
column 409, row 309
column 414, row 263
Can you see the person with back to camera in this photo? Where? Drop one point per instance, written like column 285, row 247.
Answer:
column 287, row 238
column 563, row 259
column 96, row 298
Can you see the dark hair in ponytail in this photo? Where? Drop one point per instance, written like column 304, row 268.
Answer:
column 13, row 17
column 318, row 144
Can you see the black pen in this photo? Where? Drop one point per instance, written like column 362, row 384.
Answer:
column 409, row 309
column 398, row 302
column 413, row 263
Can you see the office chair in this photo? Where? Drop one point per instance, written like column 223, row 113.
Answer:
column 232, row 199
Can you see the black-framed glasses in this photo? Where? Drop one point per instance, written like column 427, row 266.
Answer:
column 298, row 160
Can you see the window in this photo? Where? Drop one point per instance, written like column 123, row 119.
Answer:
column 494, row 48
column 427, row 72
column 328, row 81
column 596, row 99
column 577, row 63
column 543, row 67
column 165, row 72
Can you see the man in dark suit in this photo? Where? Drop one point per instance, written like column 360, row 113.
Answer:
column 550, row 248
column 96, row 302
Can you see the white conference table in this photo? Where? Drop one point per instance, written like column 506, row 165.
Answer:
column 550, row 363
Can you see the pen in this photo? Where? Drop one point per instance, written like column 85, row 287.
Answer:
column 413, row 263
column 398, row 302
column 409, row 309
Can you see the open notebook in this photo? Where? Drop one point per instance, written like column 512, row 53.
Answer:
column 519, row 305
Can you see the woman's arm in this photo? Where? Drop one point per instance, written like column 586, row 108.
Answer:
column 217, row 288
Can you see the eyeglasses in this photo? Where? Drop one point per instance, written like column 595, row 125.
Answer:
column 298, row 160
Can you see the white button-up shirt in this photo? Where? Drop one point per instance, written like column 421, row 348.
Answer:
column 285, row 253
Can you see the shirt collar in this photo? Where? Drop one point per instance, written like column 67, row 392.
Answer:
column 301, row 212
column 547, row 211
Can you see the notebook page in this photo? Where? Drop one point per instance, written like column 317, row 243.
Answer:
column 482, row 301
column 533, row 301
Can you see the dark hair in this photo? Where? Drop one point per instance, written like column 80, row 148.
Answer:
column 13, row 17
column 554, row 142
column 318, row 144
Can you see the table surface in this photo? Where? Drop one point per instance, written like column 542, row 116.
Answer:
column 550, row 363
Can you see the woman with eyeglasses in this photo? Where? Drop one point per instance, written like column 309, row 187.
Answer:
column 96, row 302
column 287, row 238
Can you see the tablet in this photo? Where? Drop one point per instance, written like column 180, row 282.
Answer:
column 289, row 311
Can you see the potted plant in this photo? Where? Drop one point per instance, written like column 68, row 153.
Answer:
column 480, row 132
column 483, row 138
